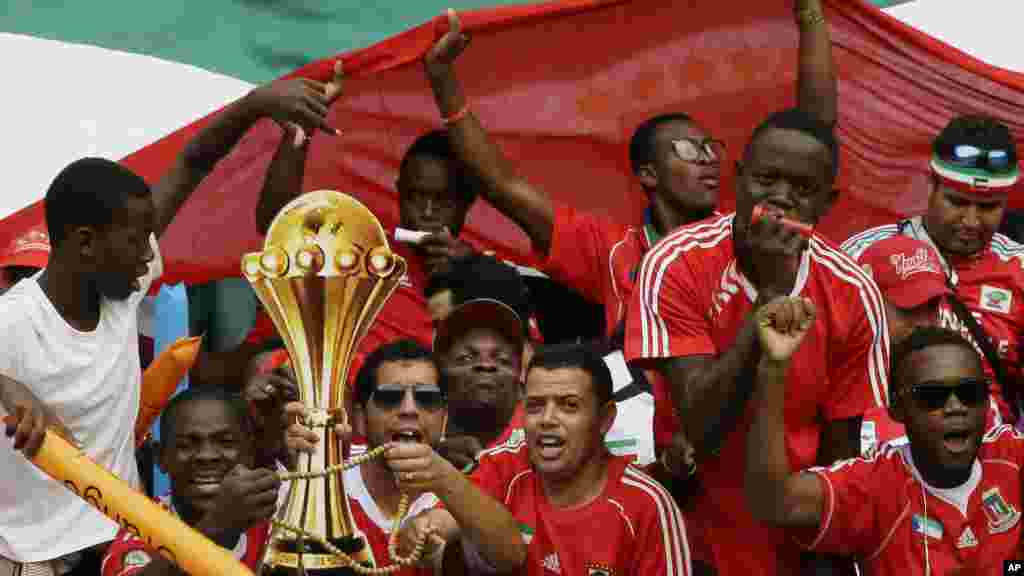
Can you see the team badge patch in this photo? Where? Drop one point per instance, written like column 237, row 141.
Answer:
column 966, row 539
column 927, row 526
column 995, row 299
column 526, row 532
column 1001, row 514
column 136, row 558
column 594, row 569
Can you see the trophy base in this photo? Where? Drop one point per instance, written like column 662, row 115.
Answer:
column 315, row 559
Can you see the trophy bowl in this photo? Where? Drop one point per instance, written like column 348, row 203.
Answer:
column 324, row 274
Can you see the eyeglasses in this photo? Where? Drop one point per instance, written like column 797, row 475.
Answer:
column 968, row 156
column 691, row 150
column 932, row 396
column 390, row 396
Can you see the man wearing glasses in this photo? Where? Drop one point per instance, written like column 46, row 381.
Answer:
column 946, row 502
column 675, row 162
column 401, row 398
column 974, row 168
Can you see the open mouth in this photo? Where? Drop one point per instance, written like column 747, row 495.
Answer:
column 550, row 446
column 410, row 436
column 711, row 182
column 957, row 441
column 206, row 484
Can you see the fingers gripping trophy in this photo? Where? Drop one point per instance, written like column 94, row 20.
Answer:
column 324, row 274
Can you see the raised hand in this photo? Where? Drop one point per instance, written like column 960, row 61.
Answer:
column 782, row 325
column 28, row 418
column 299, row 101
column 246, row 497
column 440, row 248
column 447, row 49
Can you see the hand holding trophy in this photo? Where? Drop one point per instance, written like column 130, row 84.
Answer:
column 324, row 274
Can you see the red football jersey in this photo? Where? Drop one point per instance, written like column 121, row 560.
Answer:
column 600, row 259
column 691, row 300
column 375, row 526
column 880, row 510
column 127, row 554
column 990, row 284
column 633, row 528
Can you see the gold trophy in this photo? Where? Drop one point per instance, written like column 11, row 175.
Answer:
column 324, row 274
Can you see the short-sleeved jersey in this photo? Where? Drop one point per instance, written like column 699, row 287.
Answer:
column 600, row 259
column 879, row 510
column 633, row 528
column 375, row 526
column 692, row 299
column 128, row 554
column 877, row 429
column 990, row 284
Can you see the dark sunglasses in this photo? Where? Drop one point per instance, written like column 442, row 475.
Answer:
column 968, row 156
column 932, row 396
column 390, row 396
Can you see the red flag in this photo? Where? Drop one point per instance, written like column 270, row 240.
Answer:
column 562, row 85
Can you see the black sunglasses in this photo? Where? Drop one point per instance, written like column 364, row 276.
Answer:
column 932, row 396
column 427, row 397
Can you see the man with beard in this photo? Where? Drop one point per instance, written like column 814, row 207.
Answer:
column 676, row 163
column 582, row 510
column 72, row 334
column 690, row 319
column 947, row 502
column 974, row 168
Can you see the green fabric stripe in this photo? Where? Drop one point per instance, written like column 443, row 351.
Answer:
column 1000, row 179
column 252, row 40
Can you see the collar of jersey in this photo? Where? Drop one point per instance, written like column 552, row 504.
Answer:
column 650, row 234
column 958, row 497
column 750, row 290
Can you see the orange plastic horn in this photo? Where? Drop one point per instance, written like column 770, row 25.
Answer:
column 160, row 380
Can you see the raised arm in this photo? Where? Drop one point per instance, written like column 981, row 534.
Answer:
column 512, row 195
column 302, row 101
column 284, row 175
column 774, row 494
column 816, row 81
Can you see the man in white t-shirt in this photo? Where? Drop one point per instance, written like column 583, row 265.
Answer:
column 71, row 331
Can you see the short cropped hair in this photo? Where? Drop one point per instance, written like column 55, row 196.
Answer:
column 801, row 121
column 436, row 144
column 196, row 394
column 641, row 145
column 586, row 357
column 405, row 350
column 922, row 337
column 478, row 276
column 86, row 193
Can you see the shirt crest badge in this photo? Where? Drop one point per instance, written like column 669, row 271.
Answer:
column 1001, row 514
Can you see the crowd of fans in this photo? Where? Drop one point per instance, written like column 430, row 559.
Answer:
column 761, row 400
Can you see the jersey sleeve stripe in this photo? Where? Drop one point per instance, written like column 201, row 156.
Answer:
column 826, row 521
column 653, row 329
column 858, row 243
column 871, row 298
column 677, row 548
column 512, row 485
column 622, row 513
column 890, row 533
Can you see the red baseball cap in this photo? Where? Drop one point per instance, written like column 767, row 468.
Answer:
column 907, row 271
column 30, row 248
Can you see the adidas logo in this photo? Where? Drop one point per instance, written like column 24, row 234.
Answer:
column 551, row 563
column 966, row 539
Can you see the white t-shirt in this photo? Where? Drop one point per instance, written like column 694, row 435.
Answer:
column 92, row 380
column 632, row 433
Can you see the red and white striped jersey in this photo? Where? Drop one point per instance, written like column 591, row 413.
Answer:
column 692, row 299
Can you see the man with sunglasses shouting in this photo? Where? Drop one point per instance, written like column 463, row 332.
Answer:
column 974, row 168
column 401, row 399
column 947, row 502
